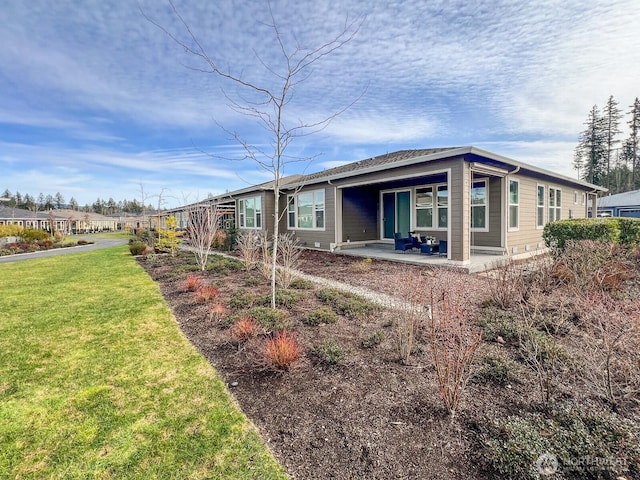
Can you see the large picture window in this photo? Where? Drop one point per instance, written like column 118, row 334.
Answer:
column 250, row 212
column 306, row 210
column 424, row 207
column 479, row 208
column 540, row 207
column 514, row 203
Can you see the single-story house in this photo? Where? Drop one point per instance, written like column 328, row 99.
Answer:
column 625, row 204
column 68, row 221
column 477, row 201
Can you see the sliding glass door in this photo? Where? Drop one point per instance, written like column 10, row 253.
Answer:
column 396, row 213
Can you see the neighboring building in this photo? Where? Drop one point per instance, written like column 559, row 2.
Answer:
column 479, row 202
column 68, row 221
column 625, row 204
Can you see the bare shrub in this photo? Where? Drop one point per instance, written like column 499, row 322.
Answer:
column 203, row 224
column 281, row 351
column 612, row 340
column 243, row 329
column 506, row 285
column 453, row 339
column 594, row 266
column 409, row 323
column 218, row 312
column 289, row 259
column 192, row 283
column 538, row 349
column 249, row 246
column 266, row 264
column 205, row 293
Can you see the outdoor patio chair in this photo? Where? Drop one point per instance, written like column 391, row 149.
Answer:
column 402, row 244
column 427, row 249
column 442, row 247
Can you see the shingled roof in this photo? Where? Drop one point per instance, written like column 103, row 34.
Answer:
column 386, row 159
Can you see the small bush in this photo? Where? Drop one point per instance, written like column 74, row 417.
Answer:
column 373, row 340
column 137, row 248
column 346, row 303
column 220, row 264
column 557, row 234
column 321, row 315
column 206, row 293
column 284, row 298
column 587, row 444
column 497, row 370
column 498, row 323
column 363, row 265
column 192, row 283
column 32, row 235
column 269, row 319
column 218, row 312
column 240, row 299
column 300, row 284
column 281, row 351
column 10, row 230
column 243, row 329
column 329, row 353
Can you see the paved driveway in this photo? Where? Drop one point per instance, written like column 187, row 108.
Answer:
column 100, row 243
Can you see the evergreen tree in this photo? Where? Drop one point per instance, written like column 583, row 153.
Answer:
column 612, row 116
column 73, row 203
column 632, row 144
column 592, row 148
column 58, row 200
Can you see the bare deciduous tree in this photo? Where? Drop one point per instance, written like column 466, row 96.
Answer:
column 270, row 95
column 203, row 223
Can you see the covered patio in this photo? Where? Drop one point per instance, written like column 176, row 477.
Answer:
column 385, row 251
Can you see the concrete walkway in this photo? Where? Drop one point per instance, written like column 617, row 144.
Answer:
column 99, row 244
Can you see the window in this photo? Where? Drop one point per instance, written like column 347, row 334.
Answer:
column 250, row 212
column 306, row 210
column 514, row 203
column 479, row 208
column 540, row 209
column 583, row 198
column 575, row 198
column 424, row 207
column 443, row 206
column 555, row 204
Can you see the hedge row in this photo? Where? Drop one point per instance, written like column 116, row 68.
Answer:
column 625, row 231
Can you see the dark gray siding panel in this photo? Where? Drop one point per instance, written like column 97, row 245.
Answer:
column 360, row 214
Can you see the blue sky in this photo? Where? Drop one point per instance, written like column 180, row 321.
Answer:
column 96, row 101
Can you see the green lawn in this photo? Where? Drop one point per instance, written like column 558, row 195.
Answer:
column 96, row 380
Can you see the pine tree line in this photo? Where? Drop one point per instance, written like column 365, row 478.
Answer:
column 56, row 202
column 601, row 157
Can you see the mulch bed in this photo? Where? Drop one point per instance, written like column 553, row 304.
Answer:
column 370, row 417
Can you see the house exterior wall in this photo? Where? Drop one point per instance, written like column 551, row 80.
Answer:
column 528, row 236
column 360, row 206
column 459, row 211
column 493, row 237
column 321, row 238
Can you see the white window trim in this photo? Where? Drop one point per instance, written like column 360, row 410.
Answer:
column 313, row 211
column 575, row 197
column 436, row 216
column 544, row 206
column 509, row 205
column 486, row 205
column 414, row 213
column 557, row 209
column 242, row 213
